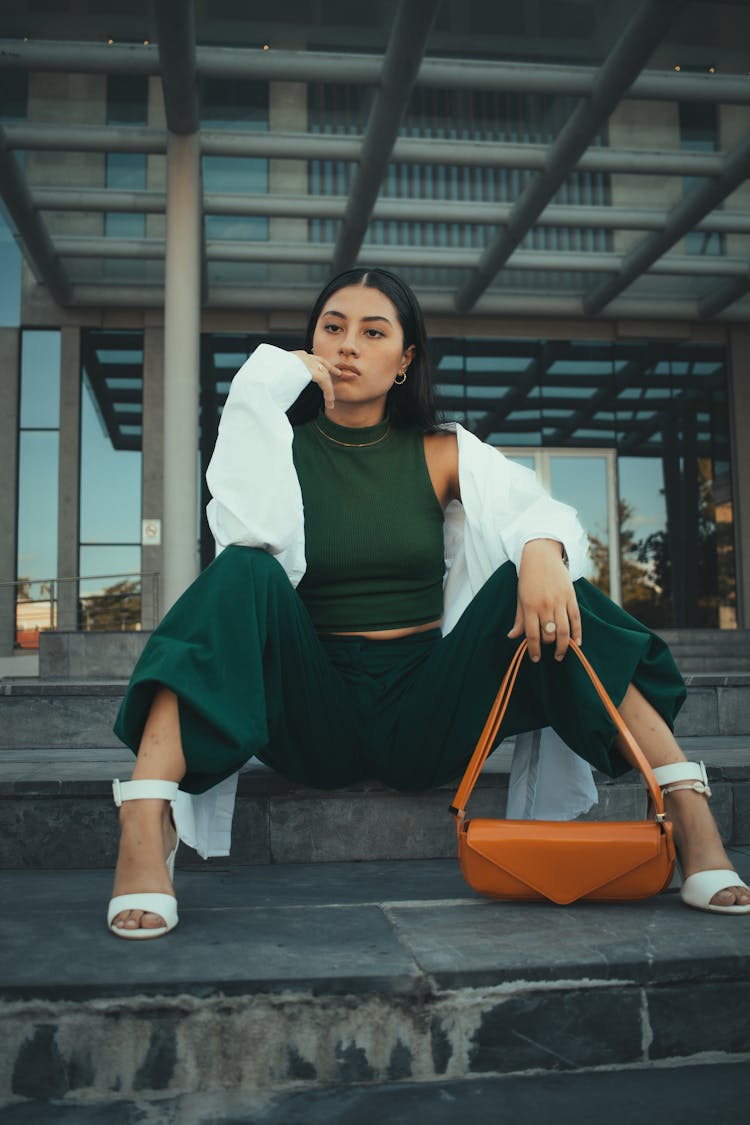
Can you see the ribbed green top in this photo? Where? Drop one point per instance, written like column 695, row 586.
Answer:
column 373, row 527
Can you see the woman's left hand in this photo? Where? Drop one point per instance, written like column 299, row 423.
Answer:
column 546, row 598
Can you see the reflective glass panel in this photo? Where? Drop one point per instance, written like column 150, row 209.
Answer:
column 10, row 277
column 40, row 380
column 113, row 601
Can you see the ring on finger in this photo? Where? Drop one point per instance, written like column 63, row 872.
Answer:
column 550, row 627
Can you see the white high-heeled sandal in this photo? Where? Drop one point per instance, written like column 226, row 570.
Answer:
column 698, row 889
column 162, row 904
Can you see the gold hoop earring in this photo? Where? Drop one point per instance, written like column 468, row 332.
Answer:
column 400, row 379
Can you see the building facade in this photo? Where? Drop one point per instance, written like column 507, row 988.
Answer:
column 564, row 184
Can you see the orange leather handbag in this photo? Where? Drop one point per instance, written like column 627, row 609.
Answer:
column 562, row 861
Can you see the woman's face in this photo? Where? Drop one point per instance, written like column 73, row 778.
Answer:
column 359, row 332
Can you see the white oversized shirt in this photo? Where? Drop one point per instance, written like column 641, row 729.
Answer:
column 257, row 502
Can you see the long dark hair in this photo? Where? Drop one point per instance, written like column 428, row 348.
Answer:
column 412, row 403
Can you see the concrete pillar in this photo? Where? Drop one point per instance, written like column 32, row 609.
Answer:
column 9, row 392
column 152, row 470
column 643, row 125
column 181, row 365
column 739, row 428
column 287, row 113
column 69, row 476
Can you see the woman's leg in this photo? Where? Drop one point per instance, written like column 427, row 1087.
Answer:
column 696, row 835
column 234, row 670
column 147, row 834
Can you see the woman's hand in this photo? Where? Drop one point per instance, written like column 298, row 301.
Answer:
column 321, row 372
column 546, row 598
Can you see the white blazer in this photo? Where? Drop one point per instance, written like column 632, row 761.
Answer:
column 257, row 502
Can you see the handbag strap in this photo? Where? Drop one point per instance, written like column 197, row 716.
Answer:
column 489, row 734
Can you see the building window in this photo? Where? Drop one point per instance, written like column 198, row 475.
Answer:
column 127, row 104
column 111, row 593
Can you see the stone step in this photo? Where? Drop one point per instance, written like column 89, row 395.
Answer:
column 697, row 1094
column 110, row 655
column 709, row 650
column 79, row 714
column 287, row 979
column 56, row 810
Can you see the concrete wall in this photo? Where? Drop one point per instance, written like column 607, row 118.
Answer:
column 644, row 125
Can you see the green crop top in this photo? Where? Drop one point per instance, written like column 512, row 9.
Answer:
column 373, row 527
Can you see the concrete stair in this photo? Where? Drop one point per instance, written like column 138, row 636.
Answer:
column 709, row 650
column 285, row 981
column 337, row 967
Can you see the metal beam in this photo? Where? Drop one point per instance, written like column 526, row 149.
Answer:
column 723, row 296
column 99, row 199
column 406, row 46
column 175, row 23
column 432, row 257
column 324, row 146
column 30, row 228
column 396, row 208
column 434, row 303
column 319, row 146
column 683, row 216
column 360, row 69
column 619, row 70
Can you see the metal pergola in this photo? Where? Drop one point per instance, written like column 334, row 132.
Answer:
column 393, row 76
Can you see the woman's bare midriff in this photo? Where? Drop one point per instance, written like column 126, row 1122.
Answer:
column 390, row 634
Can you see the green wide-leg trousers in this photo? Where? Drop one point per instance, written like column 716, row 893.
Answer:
column 253, row 678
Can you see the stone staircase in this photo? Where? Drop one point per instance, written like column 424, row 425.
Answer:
column 338, row 953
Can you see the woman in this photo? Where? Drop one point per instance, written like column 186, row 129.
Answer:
column 378, row 665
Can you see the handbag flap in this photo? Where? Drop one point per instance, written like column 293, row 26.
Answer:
column 565, row 861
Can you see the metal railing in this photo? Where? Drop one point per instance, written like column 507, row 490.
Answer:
column 129, row 603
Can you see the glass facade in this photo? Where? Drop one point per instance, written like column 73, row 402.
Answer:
column 110, row 499
column 38, row 453
column 662, row 407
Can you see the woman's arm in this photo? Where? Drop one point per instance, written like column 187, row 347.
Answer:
column 537, row 534
column 546, row 596
column 256, row 500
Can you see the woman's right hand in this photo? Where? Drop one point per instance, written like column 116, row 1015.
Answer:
column 321, row 372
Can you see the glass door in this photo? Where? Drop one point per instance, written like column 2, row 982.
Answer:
column 587, row 480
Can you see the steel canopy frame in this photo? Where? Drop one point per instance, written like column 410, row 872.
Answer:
column 175, row 22
column 325, row 146
column 365, row 69
column 722, row 296
column 692, row 207
column 643, row 33
column 406, row 46
column 390, row 207
column 30, row 227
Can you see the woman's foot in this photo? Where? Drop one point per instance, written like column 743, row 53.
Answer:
column 699, row 844
column 147, row 837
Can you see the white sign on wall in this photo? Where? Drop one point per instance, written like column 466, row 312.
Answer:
column 151, row 533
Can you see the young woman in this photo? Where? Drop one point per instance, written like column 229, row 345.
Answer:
column 376, row 572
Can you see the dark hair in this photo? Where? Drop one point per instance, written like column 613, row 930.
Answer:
column 412, row 403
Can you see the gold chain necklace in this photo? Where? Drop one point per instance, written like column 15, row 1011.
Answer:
column 353, row 444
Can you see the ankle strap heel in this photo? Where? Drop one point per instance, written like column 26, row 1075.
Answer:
column 683, row 775
column 138, row 790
